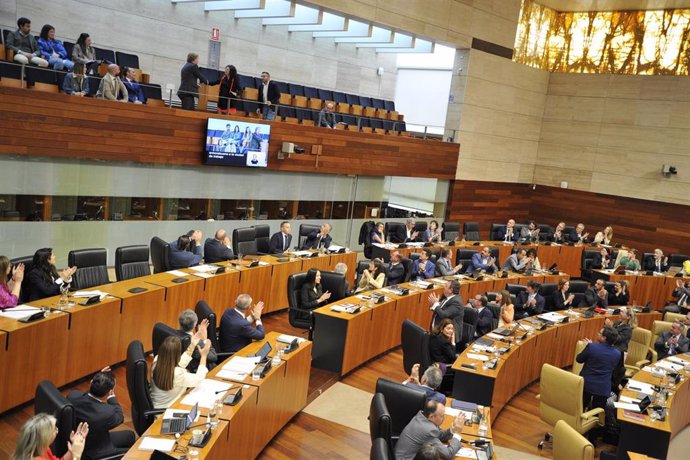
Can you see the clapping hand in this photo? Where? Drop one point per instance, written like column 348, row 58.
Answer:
column 18, row 273
column 206, row 348
column 433, row 298
column 325, row 296
column 67, row 273
column 77, row 439
column 256, row 311
column 414, row 374
column 202, row 329
column 458, row 423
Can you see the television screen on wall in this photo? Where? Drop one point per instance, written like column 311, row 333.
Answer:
column 237, row 143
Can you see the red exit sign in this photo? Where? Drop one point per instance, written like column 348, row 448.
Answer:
column 215, row 34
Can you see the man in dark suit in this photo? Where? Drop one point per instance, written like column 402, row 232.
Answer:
column 529, row 302
column 186, row 251
column 405, row 235
column 218, row 249
column 189, row 77
column 318, row 238
column 482, row 260
column 672, row 342
column 658, row 263
column 507, row 233
column 579, row 235
column 486, row 318
column 601, row 260
column 101, row 410
column 449, row 305
column 236, row 331
column 280, row 241
column 269, row 95
column 188, row 321
column 396, row 270
column 596, row 296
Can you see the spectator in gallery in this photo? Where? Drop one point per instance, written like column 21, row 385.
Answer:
column 52, row 49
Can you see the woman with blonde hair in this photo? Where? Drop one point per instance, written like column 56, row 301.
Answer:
column 39, row 432
column 604, row 237
column 624, row 325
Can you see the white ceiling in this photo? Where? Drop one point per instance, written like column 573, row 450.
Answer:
column 614, row 5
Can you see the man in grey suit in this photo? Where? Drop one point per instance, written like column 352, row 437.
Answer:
column 518, row 262
column 443, row 266
column 672, row 342
column 424, row 428
column 449, row 305
column 190, row 75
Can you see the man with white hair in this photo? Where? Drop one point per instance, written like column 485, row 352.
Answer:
column 218, row 249
column 507, row 234
column 327, row 117
column 405, row 235
column 188, row 327
column 111, row 86
column 318, row 238
column 236, row 331
column 429, row 383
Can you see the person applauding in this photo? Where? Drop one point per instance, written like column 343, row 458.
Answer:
column 9, row 290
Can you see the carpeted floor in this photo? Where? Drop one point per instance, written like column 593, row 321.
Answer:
column 678, row 449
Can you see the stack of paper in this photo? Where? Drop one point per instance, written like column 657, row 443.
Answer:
column 626, row 406
column 206, row 393
column 177, row 273
column 477, row 357
column 301, row 253
column 19, row 312
column 642, row 387
column 552, row 316
column 204, row 268
column 150, row 443
column 334, row 248
column 87, row 294
column 238, row 367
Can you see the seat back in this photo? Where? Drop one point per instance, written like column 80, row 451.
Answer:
column 92, row 267
column 379, row 419
column 127, row 60
column 471, row 231
column 671, row 317
column 577, row 367
column 647, row 258
column 676, row 260
column 407, row 263
column 402, row 402
column 390, row 230
column 138, row 386
column 304, row 230
column 244, row 241
column 464, row 256
column 659, row 327
column 415, row 346
column 28, row 262
column 297, row 316
column 545, row 232
column 450, row 231
column 131, row 262
column 160, row 255
column 561, row 396
column 568, row 444
column 578, row 286
column 496, row 313
column 515, row 289
column 547, row 290
column 161, row 331
column 262, row 236
column 420, row 226
column 204, row 311
column 493, row 233
column 335, row 284
column 470, row 318
column 380, row 450
column 49, row 400
column 638, row 347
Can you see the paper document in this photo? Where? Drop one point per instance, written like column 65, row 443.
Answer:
column 262, row 263
column 491, row 335
column 177, row 273
column 171, row 413
column 19, row 312
column 677, row 360
column 241, row 364
column 466, row 452
column 642, row 387
column 204, row 275
column 477, row 357
column 552, row 316
column 87, row 294
column 628, row 399
column 287, row 339
column 669, row 366
column 627, row 406
column 204, row 268
column 206, row 393
column 421, row 284
column 301, row 253
column 335, row 248
column 454, row 412
column 163, row 444
column 386, row 245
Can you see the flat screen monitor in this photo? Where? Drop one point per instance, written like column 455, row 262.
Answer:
column 237, row 143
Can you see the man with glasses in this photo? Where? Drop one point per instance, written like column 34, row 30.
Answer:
column 424, row 428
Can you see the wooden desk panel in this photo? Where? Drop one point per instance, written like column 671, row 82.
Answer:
column 256, row 282
column 379, row 336
column 320, row 262
column 349, row 259
column 221, row 291
column 278, row 298
column 34, row 353
column 178, row 296
column 414, row 307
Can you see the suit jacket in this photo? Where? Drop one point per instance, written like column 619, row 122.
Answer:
column 400, row 236
column 682, row 296
column 600, row 360
column 558, row 301
column 521, row 301
column 485, row 320
column 428, row 271
column 273, row 92
column 650, row 264
column 396, row 274
column 560, row 239
column 211, row 359
column 309, row 299
column 236, row 332
column 215, row 251
column 513, row 264
column 450, row 308
column 275, row 246
column 618, row 299
column 101, row 417
column 624, row 335
column 663, row 350
column 443, row 267
column 574, row 237
column 597, row 262
column 184, row 259
column 476, row 263
column 312, row 241
column 592, row 299
column 502, row 234
column 441, row 350
column 134, row 90
column 190, row 75
column 420, row 431
column 525, row 235
column 112, row 87
column 40, row 288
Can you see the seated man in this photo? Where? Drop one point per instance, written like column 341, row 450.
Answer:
column 405, row 235
column 507, row 234
column 658, row 263
column 529, row 302
column 24, row 45
column 318, row 238
column 135, row 93
column 424, row 428
column 111, row 87
column 101, row 410
column 486, row 318
column 188, row 327
column 280, row 241
column 327, row 117
column 595, row 296
column 518, row 261
column 579, row 235
column 559, row 235
column 236, row 331
column 529, row 234
column 430, row 382
column 682, row 296
column 672, row 342
column 482, row 261
column 423, row 268
column 444, row 267
column 218, row 248
column 396, row 270
column 449, row 305
column 186, row 251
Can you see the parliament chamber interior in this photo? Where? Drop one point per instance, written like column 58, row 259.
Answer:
column 344, row 229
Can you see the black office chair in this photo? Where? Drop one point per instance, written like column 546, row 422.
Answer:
column 450, row 231
column 493, row 233
column 160, row 255
column 403, row 404
column 496, row 313
column 380, row 426
column 546, row 291
column 361, row 266
column 647, row 258
column 262, row 236
column 470, row 318
column 143, row 412
column 127, row 60
column 161, row 331
column 28, row 262
column 298, row 317
column 131, row 262
column 578, row 288
column 203, row 311
column 676, row 260
column 390, row 231
column 92, row 267
column 49, row 400
column 335, row 284
column 464, row 257
column 420, row 227
column 304, row 231
column 471, row 231
column 545, row 232
column 586, row 263
column 415, row 346
column 407, row 263
column 515, row 289
column 244, row 241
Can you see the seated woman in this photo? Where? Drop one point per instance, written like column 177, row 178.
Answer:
column 76, row 83
column 9, row 290
column 53, row 50
column 562, row 299
column 532, row 253
column 372, row 277
column 169, row 374
column 44, row 279
column 605, row 236
column 432, row 234
column 39, row 432
column 376, row 235
column 507, row 314
column 442, row 342
column 311, row 294
column 84, row 53
column 630, row 262
column 134, row 92
column 620, row 294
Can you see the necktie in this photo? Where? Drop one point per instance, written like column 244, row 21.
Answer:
column 318, row 243
column 683, row 299
column 284, row 242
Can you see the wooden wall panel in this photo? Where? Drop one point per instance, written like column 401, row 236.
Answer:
column 58, row 125
column 642, row 224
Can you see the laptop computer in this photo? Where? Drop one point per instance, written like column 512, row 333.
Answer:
column 263, row 351
column 504, row 331
column 179, row 425
column 672, row 271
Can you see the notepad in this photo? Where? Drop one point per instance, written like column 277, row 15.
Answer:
column 177, row 273
column 204, row 275
column 19, row 312
column 206, row 393
column 626, row 406
column 150, row 443
column 477, row 357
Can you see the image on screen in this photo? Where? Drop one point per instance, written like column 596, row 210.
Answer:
column 237, row 143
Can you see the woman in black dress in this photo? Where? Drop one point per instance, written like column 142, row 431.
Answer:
column 229, row 91
column 311, row 294
column 44, row 279
column 442, row 342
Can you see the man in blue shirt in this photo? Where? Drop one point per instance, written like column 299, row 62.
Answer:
column 186, row 251
column 423, row 267
column 429, row 383
column 600, row 359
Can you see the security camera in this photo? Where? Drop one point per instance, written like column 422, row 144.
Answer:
column 668, row 170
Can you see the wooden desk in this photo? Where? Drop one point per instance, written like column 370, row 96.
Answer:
column 653, row 438
column 281, row 269
column 220, row 291
column 178, row 296
column 256, row 281
column 656, row 289
column 405, row 252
